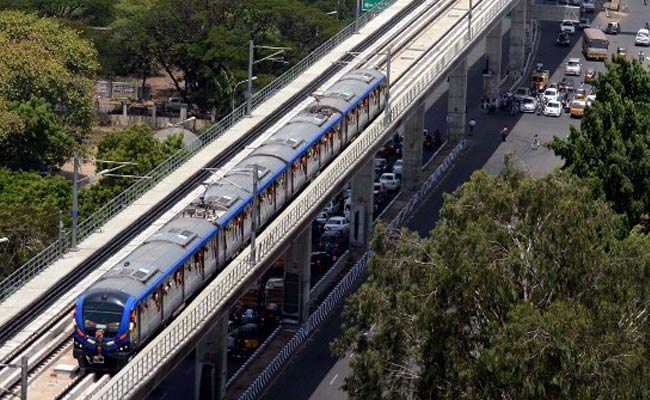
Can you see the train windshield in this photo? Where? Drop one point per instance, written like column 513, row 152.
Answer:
column 102, row 315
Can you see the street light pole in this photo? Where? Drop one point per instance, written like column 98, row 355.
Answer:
column 234, row 89
column 75, row 200
column 356, row 16
column 23, row 375
column 249, row 92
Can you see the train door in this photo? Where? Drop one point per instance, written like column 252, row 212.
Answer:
column 350, row 126
column 299, row 173
column 374, row 103
column 338, row 136
column 234, row 236
column 172, row 292
column 150, row 314
column 281, row 188
column 363, row 111
column 313, row 160
column 193, row 273
column 267, row 206
column 326, row 148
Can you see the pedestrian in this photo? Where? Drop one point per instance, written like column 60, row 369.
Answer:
column 472, row 124
column 504, row 132
column 535, row 144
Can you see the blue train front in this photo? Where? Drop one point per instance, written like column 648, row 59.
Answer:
column 129, row 304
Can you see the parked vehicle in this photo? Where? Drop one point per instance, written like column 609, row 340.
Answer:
column 390, row 181
column 553, row 109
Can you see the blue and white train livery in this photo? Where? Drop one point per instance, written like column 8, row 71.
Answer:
column 131, row 302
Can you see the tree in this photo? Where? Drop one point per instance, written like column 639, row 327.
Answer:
column 135, row 143
column 94, row 12
column 525, row 289
column 613, row 145
column 29, row 215
column 44, row 59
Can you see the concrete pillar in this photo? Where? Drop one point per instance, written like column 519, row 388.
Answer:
column 297, row 274
column 493, row 60
column 412, row 148
column 183, row 116
column 125, row 113
column 457, row 101
column 362, row 207
column 518, row 37
column 211, row 363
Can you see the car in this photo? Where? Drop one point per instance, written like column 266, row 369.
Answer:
column 380, row 165
column 566, row 84
column 397, row 167
column 550, row 94
column 573, row 67
column 588, row 6
column 174, row 103
column 621, row 52
column 577, row 109
column 642, row 37
column 522, row 92
column 337, row 224
column 390, row 181
column 590, row 75
column 613, row 27
column 566, row 99
column 333, row 243
column 590, row 99
column 563, row 39
column 568, row 26
column 322, row 217
column 331, row 207
column 584, row 23
column 378, row 192
column 553, row 108
column 321, row 260
column 528, row 104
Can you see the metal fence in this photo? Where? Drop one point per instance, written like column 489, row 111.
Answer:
column 55, row 250
column 148, row 362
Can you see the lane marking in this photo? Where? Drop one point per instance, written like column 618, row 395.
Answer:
column 333, row 379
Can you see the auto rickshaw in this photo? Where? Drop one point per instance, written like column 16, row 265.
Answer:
column 590, row 75
column 621, row 52
column 248, row 339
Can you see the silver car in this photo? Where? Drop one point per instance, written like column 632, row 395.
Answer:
column 528, row 104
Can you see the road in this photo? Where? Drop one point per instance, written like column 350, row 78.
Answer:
column 313, row 373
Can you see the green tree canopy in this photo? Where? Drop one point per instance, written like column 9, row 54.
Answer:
column 46, row 84
column 203, row 46
column 29, row 215
column 613, row 145
column 136, row 144
column 524, row 290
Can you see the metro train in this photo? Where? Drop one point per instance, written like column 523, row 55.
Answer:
column 140, row 294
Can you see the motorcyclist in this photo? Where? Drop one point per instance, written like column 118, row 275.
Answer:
column 641, row 57
column 504, row 132
column 539, row 65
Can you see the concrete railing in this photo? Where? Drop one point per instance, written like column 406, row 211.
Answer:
column 218, row 293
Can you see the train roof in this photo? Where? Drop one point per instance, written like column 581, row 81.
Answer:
column 343, row 94
column 153, row 259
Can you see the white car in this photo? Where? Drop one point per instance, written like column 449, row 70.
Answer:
column 550, row 94
column 553, row 109
column 337, row 224
column 528, row 104
column 390, row 181
column 568, row 26
column 573, row 67
column 397, row 167
column 590, row 99
column 642, row 38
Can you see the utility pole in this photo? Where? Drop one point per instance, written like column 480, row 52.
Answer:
column 249, row 92
column 254, row 213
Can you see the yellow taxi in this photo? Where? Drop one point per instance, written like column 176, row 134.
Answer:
column 577, row 109
column 621, row 52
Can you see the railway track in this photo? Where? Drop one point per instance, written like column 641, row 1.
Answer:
column 45, row 355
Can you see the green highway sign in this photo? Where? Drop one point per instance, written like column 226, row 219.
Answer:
column 367, row 5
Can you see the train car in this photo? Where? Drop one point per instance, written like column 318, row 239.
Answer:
column 135, row 298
